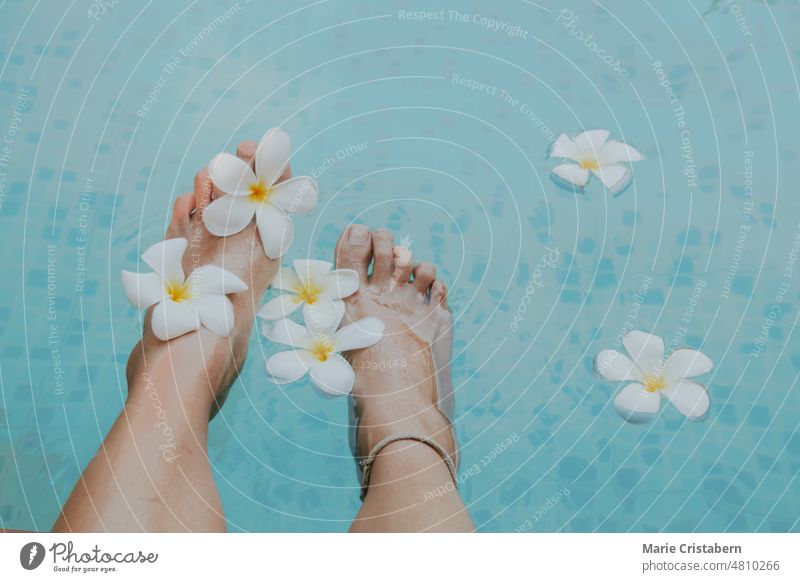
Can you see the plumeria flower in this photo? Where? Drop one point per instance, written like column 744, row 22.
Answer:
column 182, row 303
column 259, row 194
column 651, row 376
column 594, row 154
column 313, row 285
column 317, row 351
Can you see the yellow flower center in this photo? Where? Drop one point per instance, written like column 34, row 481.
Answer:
column 590, row 164
column 654, row 383
column 309, row 292
column 179, row 291
column 321, row 349
column 259, row 191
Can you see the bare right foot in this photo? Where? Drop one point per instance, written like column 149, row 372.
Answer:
column 400, row 379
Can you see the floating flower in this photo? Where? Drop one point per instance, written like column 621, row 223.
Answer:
column 313, row 285
column 317, row 351
column 652, row 376
column 594, row 154
column 182, row 303
column 260, row 194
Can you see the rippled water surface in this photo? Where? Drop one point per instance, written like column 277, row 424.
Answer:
column 439, row 130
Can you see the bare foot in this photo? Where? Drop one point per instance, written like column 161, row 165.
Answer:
column 243, row 255
column 399, row 381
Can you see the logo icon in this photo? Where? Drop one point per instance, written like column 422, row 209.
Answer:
column 31, row 555
column 405, row 241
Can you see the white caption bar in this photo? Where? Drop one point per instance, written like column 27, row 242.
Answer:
column 333, row 557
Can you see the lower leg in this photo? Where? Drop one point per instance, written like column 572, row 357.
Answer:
column 411, row 490
column 152, row 471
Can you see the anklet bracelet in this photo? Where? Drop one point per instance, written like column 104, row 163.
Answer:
column 366, row 462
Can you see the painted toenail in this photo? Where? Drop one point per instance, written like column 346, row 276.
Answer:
column 359, row 234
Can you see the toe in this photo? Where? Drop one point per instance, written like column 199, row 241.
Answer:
column 382, row 256
column 354, row 250
column 202, row 190
column 403, row 265
column 424, row 275
column 182, row 211
column 439, row 293
column 181, row 216
column 247, row 152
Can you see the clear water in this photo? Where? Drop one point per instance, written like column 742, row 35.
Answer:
column 87, row 183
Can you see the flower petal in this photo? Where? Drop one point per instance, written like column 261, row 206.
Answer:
column 285, row 367
column 646, row 350
column 228, row 215
column 690, row 398
column 614, row 152
column 635, row 404
column 279, row 307
column 216, row 313
column 272, row 155
column 564, row 147
column 276, row 230
column 592, row 141
column 685, row 363
column 288, row 332
column 614, row 176
column 171, row 319
column 361, row 334
column 308, row 269
column 166, row 259
column 143, row 289
column 326, row 320
column 230, row 174
column 286, row 280
column 573, row 174
column 616, row 366
column 215, row 280
column 324, row 315
column 296, row 195
column 340, row 283
column 334, row 376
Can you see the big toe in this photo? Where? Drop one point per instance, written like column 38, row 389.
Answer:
column 382, row 256
column 354, row 250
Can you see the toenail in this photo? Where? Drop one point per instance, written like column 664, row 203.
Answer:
column 402, row 256
column 359, row 234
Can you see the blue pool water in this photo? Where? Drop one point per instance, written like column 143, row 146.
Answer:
column 698, row 250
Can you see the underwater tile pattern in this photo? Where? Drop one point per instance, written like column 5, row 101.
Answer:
column 436, row 126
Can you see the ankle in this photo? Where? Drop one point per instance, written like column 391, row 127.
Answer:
column 385, row 420
column 181, row 378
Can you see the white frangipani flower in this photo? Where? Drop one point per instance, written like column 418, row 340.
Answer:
column 317, row 351
column 594, row 154
column 652, row 376
column 258, row 194
column 182, row 303
column 313, row 285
